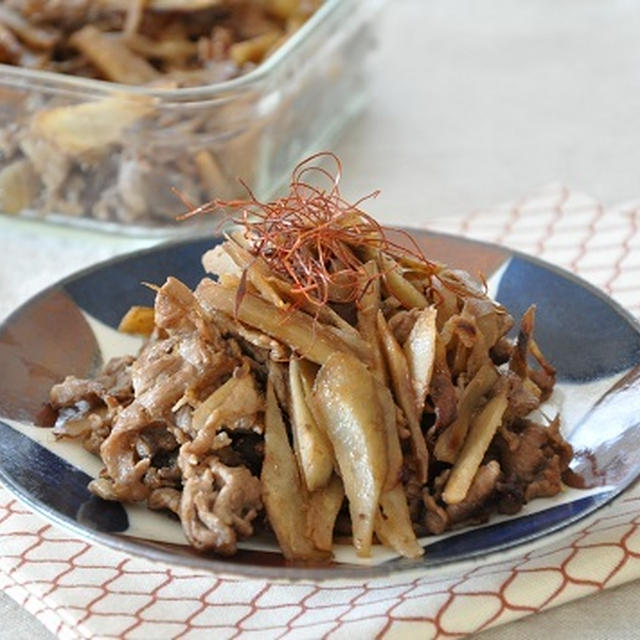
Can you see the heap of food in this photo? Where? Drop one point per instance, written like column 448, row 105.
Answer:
column 330, row 380
column 147, row 42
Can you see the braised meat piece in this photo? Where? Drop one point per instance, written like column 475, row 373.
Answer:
column 533, row 462
column 189, row 361
column 86, row 408
column 113, row 384
column 218, row 504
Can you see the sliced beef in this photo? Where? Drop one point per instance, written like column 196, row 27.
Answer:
column 527, row 455
column 258, row 346
column 413, row 490
column 165, row 498
column 480, row 499
column 533, row 463
column 524, row 396
column 86, row 408
column 113, row 383
column 100, row 427
column 177, row 311
column 168, row 372
column 218, row 505
column 547, row 482
column 161, row 375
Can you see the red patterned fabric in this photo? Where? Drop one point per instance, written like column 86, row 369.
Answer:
column 82, row 591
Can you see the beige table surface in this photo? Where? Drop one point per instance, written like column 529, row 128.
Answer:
column 472, row 103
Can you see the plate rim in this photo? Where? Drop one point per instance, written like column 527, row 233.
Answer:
column 301, row 573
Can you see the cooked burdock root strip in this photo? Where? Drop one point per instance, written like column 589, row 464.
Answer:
column 19, row 184
column 254, row 49
column 170, row 49
column 89, row 129
column 398, row 286
column 420, row 351
column 257, row 272
column 345, row 400
column 294, row 328
column 452, row 438
column 325, row 503
column 313, row 449
column 11, row 51
column 31, row 35
column 324, row 506
column 367, row 315
column 403, row 389
column 234, row 257
column 283, row 493
column 480, row 434
column 395, row 459
column 393, row 524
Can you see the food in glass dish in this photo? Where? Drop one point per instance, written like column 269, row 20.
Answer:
column 164, row 43
column 328, row 380
column 130, row 99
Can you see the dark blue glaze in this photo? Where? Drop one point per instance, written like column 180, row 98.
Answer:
column 49, row 480
column 108, row 293
column 578, row 331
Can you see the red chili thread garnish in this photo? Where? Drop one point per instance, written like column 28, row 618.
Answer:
column 316, row 240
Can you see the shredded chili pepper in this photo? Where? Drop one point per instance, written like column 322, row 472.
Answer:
column 315, row 239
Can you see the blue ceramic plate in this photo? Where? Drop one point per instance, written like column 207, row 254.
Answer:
column 70, row 329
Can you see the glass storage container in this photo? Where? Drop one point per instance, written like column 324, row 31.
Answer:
column 98, row 154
